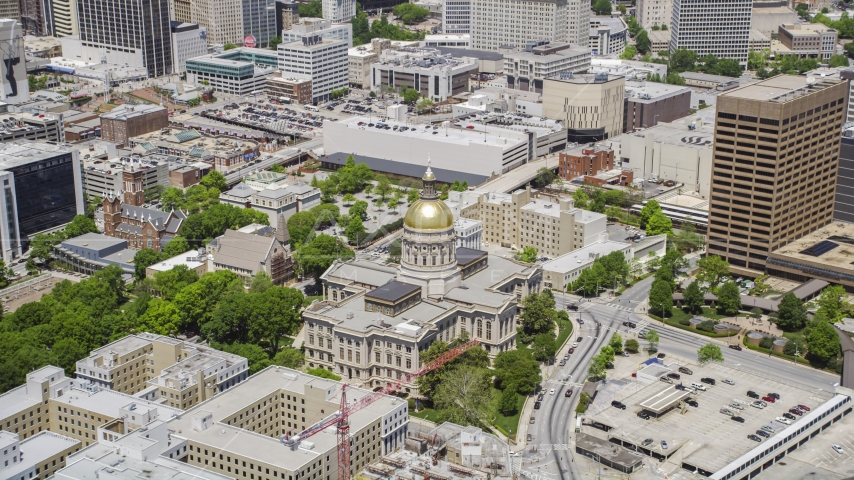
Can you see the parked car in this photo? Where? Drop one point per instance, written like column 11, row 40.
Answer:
column 642, row 414
column 540, row 397
column 796, row 411
column 552, row 391
column 727, row 411
column 768, row 428
column 775, row 395
column 530, row 437
column 567, row 393
column 758, row 404
column 790, row 416
column 783, row 420
column 646, row 442
column 728, row 381
column 666, row 380
column 769, row 399
column 735, row 347
column 738, row 419
column 686, row 370
column 710, row 381
column 736, row 406
column 661, row 355
column 664, row 445
column 674, row 376
column 804, row 407
column 537, row 405
column 618, row 404
column 562, row 362
column 692, row 403
column 836, row 448
column 531, row 421
column 754, row 438
column 579, row 339
column 763, row 433
column 752, row 394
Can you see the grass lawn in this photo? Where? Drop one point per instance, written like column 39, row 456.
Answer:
column 565, row 332
column 709, row 313
column 507, row 425
column 426, row 414
column 307, row 300
column 795, row 336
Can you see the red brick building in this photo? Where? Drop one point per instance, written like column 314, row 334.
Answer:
column 126, row 121
column 588, row 160
column 126, row 218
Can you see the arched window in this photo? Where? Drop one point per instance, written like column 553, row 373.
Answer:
column 479, row 328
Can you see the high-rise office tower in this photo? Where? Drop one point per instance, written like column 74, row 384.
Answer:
column 720, row 28
column 221, row 19
column 137, row 27
column 654, row 12
column 9, row 9
column 182, row 11
column 456, row 16
column 775, row 166
column 339, row 11
column 35, row 15
column 259, row 21
column 495, row 23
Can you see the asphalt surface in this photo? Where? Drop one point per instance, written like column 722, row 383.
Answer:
column 267, row 161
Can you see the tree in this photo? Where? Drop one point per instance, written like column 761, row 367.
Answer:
column 170, row 282
column 348, row 199
column 277, row 169
column 527, row 255
column 710, row 352
column 651, row 207
column 261, row 282
column 517, row 370
column 831, row 304
column 581, row 198
column 275, row 313
column 214, row 179
column 632, row 345
column 693, row 298
column 410, row 95
column 711, row 269
column 161, row 317
column 314, row 258
column 229, row 46
column 301, row 227
column 659, row 224
column 849, row 49
column 756, row 60
column 587, row 281
column 463, row 397
column 410, row 13
column 412, row 196
column 622, row 9
column 359, row 209
column 323, row 373
column 538, row 313
column 616, row 342
column 683, row 60
column 425, row 103
column 729, row 298
column 143, row 259
column 394, row 251
column 544, row 347
column 79, row 225
column 545, row 176
column 289, row 358
column 383, row 187
column 355, row 231
column 197, row 301
column 629, row 53
column 353, row 177
column 687, row 239
column 596, row 370
column 602, row 7
column 313, row 9
column 651, row 337
column 175, row 247
column 823, row 342
column 661, row 298
column 507, row 404
column 274, row 43
column 642, row 41
column 791, row 313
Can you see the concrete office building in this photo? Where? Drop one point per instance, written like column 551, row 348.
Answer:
column 339, row 11
column 285, row 200
column 27, row 167
column 843, row 208
column 434, row 75
column 141, row 30
column 324, row 61
column 648, row 103
column 456, row 17
column 501, row 99
column 359, row 62
column 607, row 35
column 182, row 11
column 469, row 233
column 39, row 456
column 721, row 28
column 461, row 40
column 9, row 9
column 126, row 121
column 239, row 71
column 13, row 70
column 590, row 106
column 287, row 14
column 654, row 12
column 296, row 88
column 680, row 151
column 221, row 19
column 101, row 177
column 310, row 27
column 91, row 252
column 479, row 292
column 757, row 206
column 521, row 219
column 31, row 126
column 188, row 41
column 565, row 269
column 812, row 40
column 768, row 16
column 527, row 69
column 64, row 16
column 191, row 373
column 495, row 23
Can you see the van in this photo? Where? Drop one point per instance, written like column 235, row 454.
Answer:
column 698, row 386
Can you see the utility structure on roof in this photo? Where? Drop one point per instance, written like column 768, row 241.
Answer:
column 341, row 418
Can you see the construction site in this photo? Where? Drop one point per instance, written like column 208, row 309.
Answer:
column 442, row 453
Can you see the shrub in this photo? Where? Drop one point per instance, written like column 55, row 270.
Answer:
column 706, row 326
column 685, row 321
column 583, row 402
column 766, row 342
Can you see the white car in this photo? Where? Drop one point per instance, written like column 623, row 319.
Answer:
column 784, row 420
column 728, row 381
column 552, row 391
column 574, row 345
column 837, row 449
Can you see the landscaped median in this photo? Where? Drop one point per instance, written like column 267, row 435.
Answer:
column 682, row 316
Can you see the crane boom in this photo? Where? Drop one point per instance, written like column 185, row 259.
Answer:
column 341, row 419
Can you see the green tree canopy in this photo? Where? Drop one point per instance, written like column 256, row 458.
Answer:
column 616, row 342
column 602, row 7
column 823, row 342
column 659, row 224
column 661, row 298
column 517, row 370
column 652, row 339
column 544, row 347
column 711, row 269
column 642, row 41
column 289, row 358
column 649, row 209
column 323, row 373
column 693, row 298
column 314, row 258
column 729, row 298
column 632, row 345
column 832, row 306
column 791, row 313
column 710, row 352
column 538, row 313
column 177, row 246
column 301, row 227
column 214, row 179
column 527, row 255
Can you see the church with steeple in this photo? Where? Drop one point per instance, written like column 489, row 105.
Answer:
column 126, row 217
column 375, row 319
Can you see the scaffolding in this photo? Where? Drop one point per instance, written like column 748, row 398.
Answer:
column 429, row 474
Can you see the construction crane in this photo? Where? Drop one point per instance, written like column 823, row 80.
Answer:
column 341, row 419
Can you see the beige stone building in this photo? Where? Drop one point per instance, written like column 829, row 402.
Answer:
column 654, row 12
column 36, row 457
column 775, row 166
column 590, row 106
column 146, row 362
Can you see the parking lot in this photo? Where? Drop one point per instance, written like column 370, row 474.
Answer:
column 700, row 436
column 280, row 118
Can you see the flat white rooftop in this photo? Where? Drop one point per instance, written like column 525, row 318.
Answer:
column 190, row 259
column 572, row 260
column 480, row 134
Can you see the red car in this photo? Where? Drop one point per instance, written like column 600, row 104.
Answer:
column 804, row 408
column 567, row 393
column 571, row 350
column 769, row 399
column 796, row 411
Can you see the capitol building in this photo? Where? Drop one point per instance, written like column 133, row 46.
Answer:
column 375, row 320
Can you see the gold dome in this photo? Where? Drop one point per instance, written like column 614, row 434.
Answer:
column 429, row 215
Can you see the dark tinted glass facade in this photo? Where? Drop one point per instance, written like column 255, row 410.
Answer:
column 44, row 193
